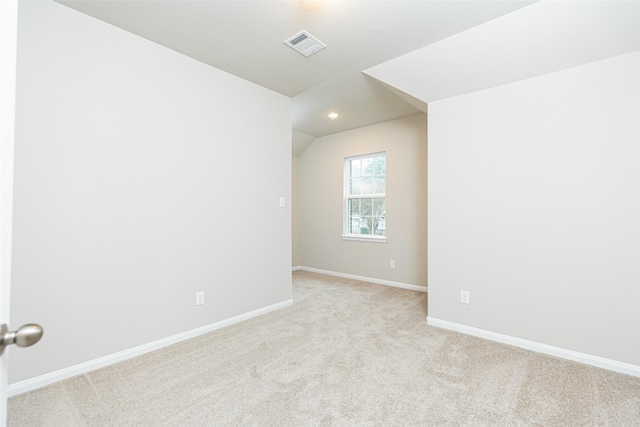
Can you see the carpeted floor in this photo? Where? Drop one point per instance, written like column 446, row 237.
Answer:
column 346, row 353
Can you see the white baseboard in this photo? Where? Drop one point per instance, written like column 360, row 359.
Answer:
column 600, row 362
column 364, row 279
column 52, row 377
column 296, row 268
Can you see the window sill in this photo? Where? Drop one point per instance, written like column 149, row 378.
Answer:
column 364, row 238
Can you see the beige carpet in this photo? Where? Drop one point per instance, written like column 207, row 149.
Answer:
column 346, row 353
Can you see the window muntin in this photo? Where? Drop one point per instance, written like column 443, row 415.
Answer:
column 365, row 195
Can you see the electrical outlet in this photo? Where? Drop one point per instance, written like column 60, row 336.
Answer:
column 282, row 202
column 392, row 264
column 200, row 298
column 464, row 297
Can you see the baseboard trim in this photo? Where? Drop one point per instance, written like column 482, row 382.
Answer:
column 418, row 288
column 52, row 377
column 296, row 268
column 588, row 359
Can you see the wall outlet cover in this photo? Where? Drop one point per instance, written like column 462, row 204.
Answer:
column 464, row 297
column 200, row 298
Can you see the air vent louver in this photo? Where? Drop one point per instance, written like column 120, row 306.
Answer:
column 304, row 43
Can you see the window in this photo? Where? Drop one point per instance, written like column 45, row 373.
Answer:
column 364, row 197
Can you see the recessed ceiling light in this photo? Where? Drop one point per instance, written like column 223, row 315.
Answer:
column 332, row 115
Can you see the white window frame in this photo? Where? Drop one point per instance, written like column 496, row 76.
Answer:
column 345, row 203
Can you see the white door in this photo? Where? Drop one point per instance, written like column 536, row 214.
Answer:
column 8, row 45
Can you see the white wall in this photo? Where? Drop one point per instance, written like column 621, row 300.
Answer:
column 8, row 53
column 534, row 207
column 320, row 195
column 142, row 176
column 295, row 217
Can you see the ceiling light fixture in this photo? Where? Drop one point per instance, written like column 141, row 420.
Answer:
column 312, row 6
column 333, row 115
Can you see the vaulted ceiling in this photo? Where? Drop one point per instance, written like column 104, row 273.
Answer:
column 384, row 59
column 245, row 38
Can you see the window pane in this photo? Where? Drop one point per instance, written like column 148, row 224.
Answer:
column 367, row 166
column 380, row 165
column 366, row 206
column 367, row 185
column 355, row 168
column 365, row 225
column 356, row 186
column 354, row 225
column 354, row 206
column 379, row 206
column 380, row 185
column 380, row 228
column 359, row 225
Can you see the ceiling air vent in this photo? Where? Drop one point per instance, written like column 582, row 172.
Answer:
column 305, row 43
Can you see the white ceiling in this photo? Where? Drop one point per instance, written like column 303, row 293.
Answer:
column 513, row 48
column 245, row 38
